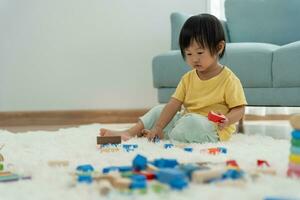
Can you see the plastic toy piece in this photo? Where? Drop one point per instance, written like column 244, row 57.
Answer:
column 85, row 179
column 139, row 162
column 233, row 174
column 109, row 140
column 232, row 164
column 295, row 121
column 173, row 177
column 188, row 149
column 296, row 134
column 213, row 151
column 214, row 117
column 165, row 163
column 85, row 168
column 130, row 147
column 148, row 175
column 168, row 146
column 1, row 167
column 57, row 163
column 9, row 178
column 261, row 163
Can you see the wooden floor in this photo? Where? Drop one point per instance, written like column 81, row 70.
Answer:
column 17, row 122
column 24, row 129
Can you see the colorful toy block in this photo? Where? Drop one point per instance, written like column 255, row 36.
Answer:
column 109, row 140
column 165, row 163
column 139, row 162
column 85, row 168
column 188, row 149
column 1, row 167
column 173, row 177
column 85, row 179
column 168, row 146
column 214, row 117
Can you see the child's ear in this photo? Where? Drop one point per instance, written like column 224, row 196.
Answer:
column 221, row 46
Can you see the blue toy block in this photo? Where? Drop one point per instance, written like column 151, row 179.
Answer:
column 84, row 179
column 296, row 134
column 222, row 150
column 106, row 170
column 139, row 162
column 178, row 184
column 232, row 174
column 130, row 147
column 188, row 169
column 138, row 177
column 188, row 149
column 166, row 146
column 125, row 168
column 138, row 185
column 173, row 177
column 85, row 168
column 165, row 163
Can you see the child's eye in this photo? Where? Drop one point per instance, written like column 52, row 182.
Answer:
column 200, row 52
column 188, row 54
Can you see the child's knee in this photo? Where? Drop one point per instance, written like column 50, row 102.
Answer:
column 156, row 110
column 193, row 128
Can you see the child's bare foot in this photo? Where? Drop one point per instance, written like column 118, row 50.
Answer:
column 125, row 135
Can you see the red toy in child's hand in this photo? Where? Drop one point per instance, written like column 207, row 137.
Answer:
column 212, row 116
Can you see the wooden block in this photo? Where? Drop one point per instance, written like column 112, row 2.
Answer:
column 57, row 163
column 122, row 183
column 201, row 176
column 268, row 171
column 109, row 140
column 295, row 121
column 5, row 173
column 104, row 187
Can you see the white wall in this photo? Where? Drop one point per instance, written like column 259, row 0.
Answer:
column 83, row 54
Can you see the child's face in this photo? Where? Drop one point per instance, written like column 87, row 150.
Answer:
column 199, row 57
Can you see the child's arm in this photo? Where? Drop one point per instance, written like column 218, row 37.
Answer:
column 233, row 116
column 165, row 117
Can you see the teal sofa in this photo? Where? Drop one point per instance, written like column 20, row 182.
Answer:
column 263, row 49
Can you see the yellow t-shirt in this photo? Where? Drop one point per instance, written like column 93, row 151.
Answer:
column 218, row 94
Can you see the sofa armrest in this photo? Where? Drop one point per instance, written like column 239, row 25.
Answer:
column 177, row 21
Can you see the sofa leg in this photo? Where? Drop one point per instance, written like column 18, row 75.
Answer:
column 240, row 128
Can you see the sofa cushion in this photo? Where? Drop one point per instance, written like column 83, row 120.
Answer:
column 286, row 66
column 168, row 69
column 266, row 21
column 251, row 62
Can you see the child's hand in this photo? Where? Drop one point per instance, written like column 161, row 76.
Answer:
column 150, row 134
column 223, row 123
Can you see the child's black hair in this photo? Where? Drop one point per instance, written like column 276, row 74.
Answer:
column 206, row 30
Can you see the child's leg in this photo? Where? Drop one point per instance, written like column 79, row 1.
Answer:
column 152, row 116
column 145, row 122
column 126, row 134
column 194, row 128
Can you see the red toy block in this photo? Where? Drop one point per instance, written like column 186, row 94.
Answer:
column 232, row 163
column 212, row 116
column 213, row 151
column 261, row 163
column 148, row 175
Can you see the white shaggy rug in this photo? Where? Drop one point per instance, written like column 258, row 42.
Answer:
column 30, row 152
